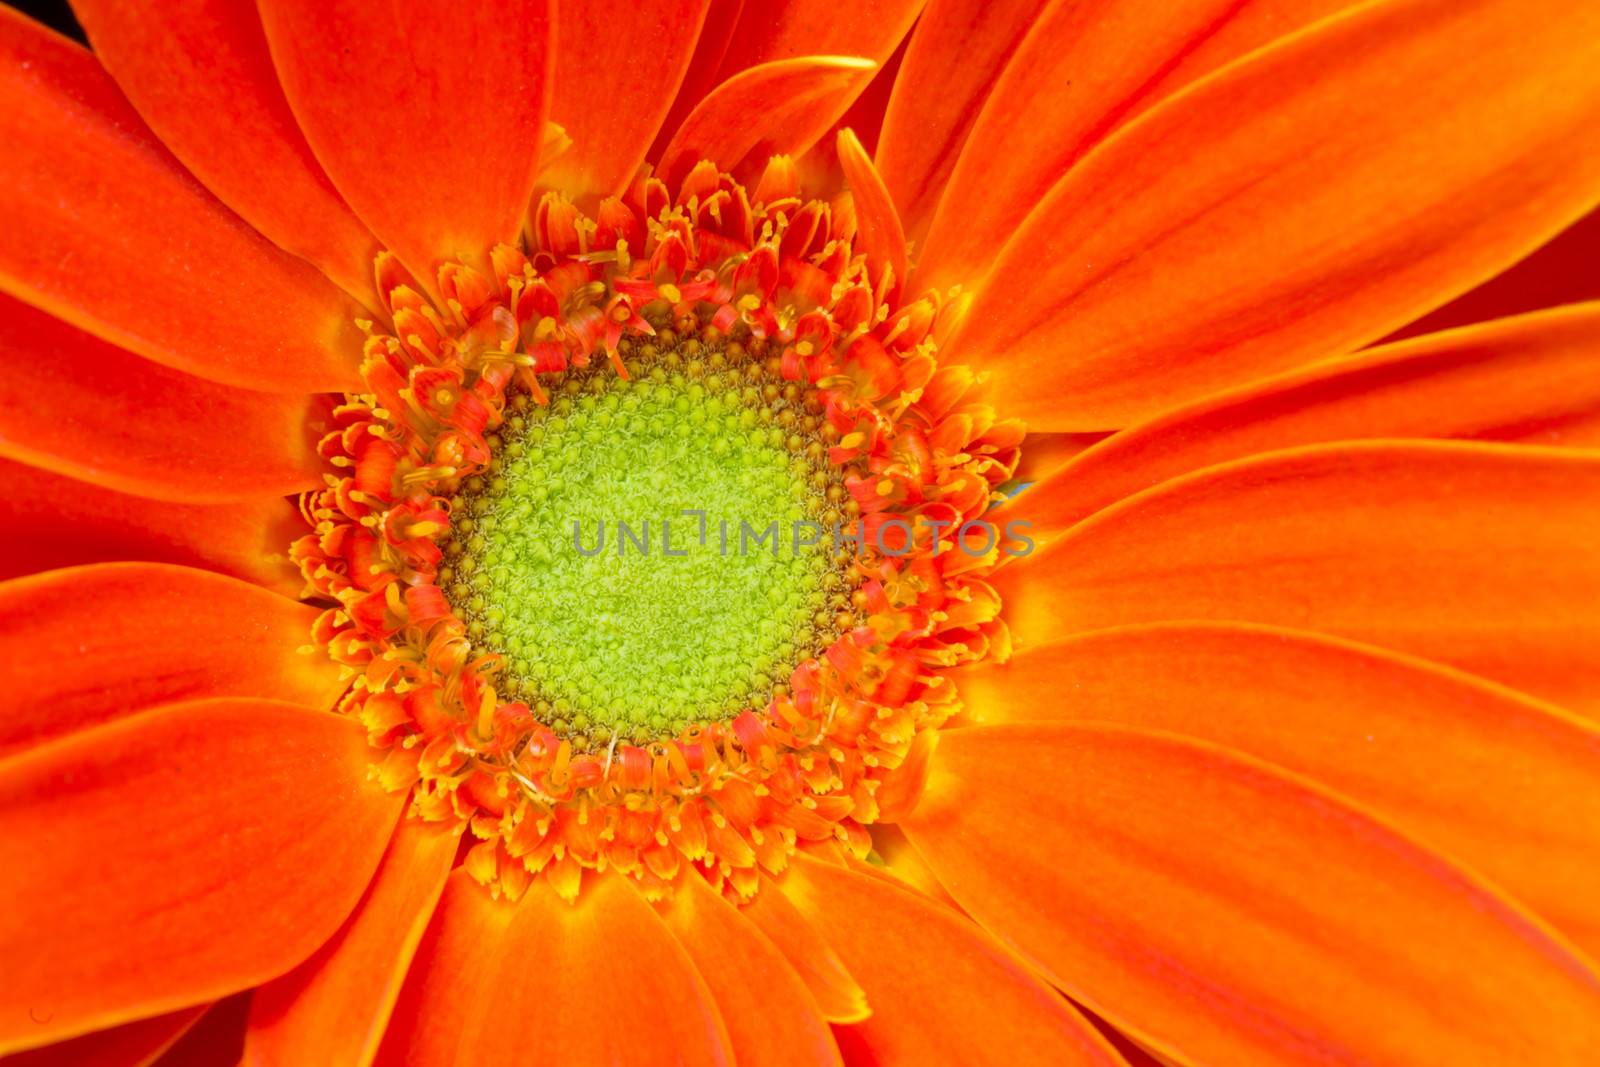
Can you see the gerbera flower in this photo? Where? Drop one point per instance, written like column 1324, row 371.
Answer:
column 515, row 555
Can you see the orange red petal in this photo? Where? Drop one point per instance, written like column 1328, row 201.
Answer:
column 161, row 268
column 942, row 989
column 1226, row 912
column 1505, row 784
column 99, row 642
column 427, row 115
column 72, row 403
column 199, row 73
column 334, row 1007
column 1301, row 203
column 176, row 857
column 1476, row 555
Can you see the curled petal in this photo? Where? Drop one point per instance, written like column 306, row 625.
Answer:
column 777, row 108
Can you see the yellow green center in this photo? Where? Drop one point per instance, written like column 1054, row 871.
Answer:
column 651, row 553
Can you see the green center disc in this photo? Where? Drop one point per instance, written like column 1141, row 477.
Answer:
column 652, row 553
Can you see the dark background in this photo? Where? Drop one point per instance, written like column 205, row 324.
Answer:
column 55, row 13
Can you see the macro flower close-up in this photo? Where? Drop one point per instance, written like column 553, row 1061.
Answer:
column 800, row 533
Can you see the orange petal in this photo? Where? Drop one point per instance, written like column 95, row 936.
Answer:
column 334, row 1007
column 178, row 856
column 955, row 56
column 1480, row 556
column 1565, row 270
column 1227, row 912
column 1300, row 204
column 199, row 73
column 543, row 981
column 776, row 108
column 772, row 1019
column 880, row 235
column 133, row 1045
column 1531, row 378
column 451, row 977
column 1503, row 783
column 428, row 115
column 942, row 989
column 611, row 101
column 837, row 993
column 111, row 639
column 1084, row 70
column 901, row 862
column 110, row 233
column 52, row 521
column 74, row 404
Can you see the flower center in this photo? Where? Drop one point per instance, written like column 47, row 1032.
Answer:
column 657, row 551
column 705, row 676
